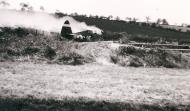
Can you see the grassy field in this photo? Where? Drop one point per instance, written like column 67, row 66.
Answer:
column 30, row 85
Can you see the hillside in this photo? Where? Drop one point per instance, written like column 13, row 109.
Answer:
column 134, row 28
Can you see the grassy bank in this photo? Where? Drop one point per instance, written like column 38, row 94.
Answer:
column 22, row 44
column 150, row 57
column 8, row 104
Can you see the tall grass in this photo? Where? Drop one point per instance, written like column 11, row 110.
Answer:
column 81, row 104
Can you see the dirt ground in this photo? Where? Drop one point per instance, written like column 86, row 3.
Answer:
column 95, row 81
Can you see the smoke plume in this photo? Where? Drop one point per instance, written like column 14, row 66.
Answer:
column 41, row 21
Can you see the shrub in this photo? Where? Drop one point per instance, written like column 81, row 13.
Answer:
column 49, row 53
column 136, row 61
column 30, row 50
column 19, row 32
column 12, row 52
column 123, row 50
column 71, row 58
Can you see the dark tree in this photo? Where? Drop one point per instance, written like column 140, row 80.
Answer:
column 147, row 19
column 165, row 22
column 110, row 17
column 129, row 19
column 26, row 7
column 117, row 18
column 158, row 21
column 135, row 19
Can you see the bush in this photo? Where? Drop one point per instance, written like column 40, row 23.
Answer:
column 12, row 52
column 123, row 50
column 30, row 50
column 19, row 32
column 136, row 61
column 71, row 58
column 49, row 53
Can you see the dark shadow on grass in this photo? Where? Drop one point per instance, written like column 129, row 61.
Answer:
column 8, row 104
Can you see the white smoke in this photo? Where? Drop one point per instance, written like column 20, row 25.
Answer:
column 41, row 21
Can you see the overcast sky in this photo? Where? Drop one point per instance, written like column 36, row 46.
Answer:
column 175, row 11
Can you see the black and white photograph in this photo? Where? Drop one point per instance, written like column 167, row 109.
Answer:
column 94, row 55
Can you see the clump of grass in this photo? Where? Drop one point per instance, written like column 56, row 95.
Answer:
column 71, row 58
